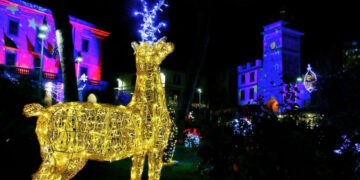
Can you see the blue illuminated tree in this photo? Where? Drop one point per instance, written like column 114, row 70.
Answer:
column 149, row 28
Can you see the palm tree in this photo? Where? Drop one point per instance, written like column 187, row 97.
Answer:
column 66, row 51
column 195, row 66
column 65, row 45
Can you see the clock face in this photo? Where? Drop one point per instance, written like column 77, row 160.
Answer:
column 272, row 45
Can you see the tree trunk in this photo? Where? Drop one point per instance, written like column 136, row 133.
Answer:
column 192, row 76
column 66, row 52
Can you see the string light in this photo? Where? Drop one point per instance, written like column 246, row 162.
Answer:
column 148, row 28
column 71, row 133
column 192, row 139
column 310, row 80
column 169, row 151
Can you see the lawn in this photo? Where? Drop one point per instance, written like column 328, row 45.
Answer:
column 185, row 169
column 20, row 158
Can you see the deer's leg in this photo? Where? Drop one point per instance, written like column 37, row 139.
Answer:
column 50, row 167
column 155, row 164
column 137, row 166
column 74, row 166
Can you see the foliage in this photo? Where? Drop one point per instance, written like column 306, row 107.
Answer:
column 20, row 151
column 281, row 148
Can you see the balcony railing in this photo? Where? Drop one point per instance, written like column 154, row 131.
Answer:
column 34, row 74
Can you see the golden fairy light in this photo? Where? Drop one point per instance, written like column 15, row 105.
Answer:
column 72, row 133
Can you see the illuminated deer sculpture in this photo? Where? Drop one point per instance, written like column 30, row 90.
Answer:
column 71, row 133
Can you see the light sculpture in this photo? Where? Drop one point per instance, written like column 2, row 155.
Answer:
column 310, row 80
column 148, row 29
column 72, row 133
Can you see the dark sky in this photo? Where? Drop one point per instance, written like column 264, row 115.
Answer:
column 235, row 29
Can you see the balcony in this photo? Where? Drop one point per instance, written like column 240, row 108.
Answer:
column 33, row 74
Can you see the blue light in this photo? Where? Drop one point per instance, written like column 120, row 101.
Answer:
column 148, row 28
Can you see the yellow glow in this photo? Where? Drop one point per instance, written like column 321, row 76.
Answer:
column 72, row 133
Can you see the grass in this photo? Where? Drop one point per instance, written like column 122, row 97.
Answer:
column 20, row 158
column 185, row 169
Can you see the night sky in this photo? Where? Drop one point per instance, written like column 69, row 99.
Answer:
column 234, row 29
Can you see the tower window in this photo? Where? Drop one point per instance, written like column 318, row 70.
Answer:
column 242, row 95
column 10, row 58
column 85, row 45
column 252, row 77
column 13, row 27
column 243, row 79
column 251, row 93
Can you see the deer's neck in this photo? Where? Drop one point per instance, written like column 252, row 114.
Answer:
column 148, row 87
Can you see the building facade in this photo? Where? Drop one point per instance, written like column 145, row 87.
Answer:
column 21, row 46
column 174, row 83
column 280, row 64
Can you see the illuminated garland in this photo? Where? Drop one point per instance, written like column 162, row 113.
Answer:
column 192, row 139
column 71, row 133
column 148, row 29
column 347, row 145
column 169, row 151
column 310, row 80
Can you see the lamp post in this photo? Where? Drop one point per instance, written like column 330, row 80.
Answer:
column 163, row 79
column 120, row 84
column 299, row 79
column 43, row 29
column 79, row 59
column 119, row 88
column 199, row 91
column 80, row 89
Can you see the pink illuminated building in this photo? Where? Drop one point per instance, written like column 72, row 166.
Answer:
column 21, row 47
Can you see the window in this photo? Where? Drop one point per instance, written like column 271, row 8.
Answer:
column 83, row 70
column 10, row 58
column 177, row 79
column 36, row 62
column 13, row 27
column 251, row 93
column 252, row 77
column 85, row 45
column 243, row 79
column 242, row 95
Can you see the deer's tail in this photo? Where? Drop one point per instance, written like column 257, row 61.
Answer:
column 33, row 109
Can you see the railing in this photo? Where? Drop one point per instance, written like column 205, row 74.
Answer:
column 34, row 74
column 49, row 75
column 22, row 71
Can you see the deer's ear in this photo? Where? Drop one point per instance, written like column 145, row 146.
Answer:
column 134, row 45
column 168, row 48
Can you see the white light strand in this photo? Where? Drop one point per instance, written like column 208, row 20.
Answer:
column 148, row 29
column 310, row 79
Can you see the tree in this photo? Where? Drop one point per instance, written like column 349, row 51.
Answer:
column 65, row 46
column 66, row 50
column 195, row 66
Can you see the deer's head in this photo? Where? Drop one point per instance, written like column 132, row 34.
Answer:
column 152, row 53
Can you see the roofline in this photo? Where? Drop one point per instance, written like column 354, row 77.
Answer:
column 73, row 20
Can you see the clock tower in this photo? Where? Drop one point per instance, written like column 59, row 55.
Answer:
column 281, row 59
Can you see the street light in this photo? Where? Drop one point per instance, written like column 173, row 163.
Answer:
column 299, row 79
column 120, row 84
column 79, row 59
column 43, row 30
column 163, row 79
column 199, row 91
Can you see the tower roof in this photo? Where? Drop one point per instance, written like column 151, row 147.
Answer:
column 283, row 26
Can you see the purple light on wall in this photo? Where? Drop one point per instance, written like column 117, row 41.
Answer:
column 29, row 17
